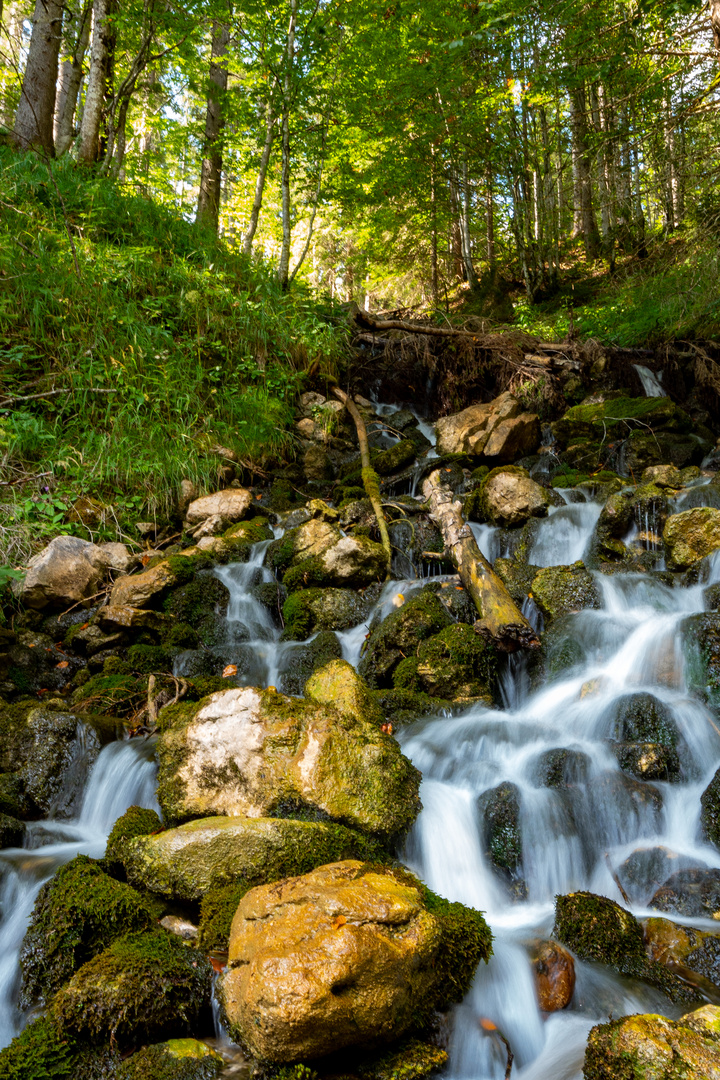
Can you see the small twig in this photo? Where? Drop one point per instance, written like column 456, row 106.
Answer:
column 24, row 479
column 103, row 592
column 616, row 879
column 151, row 707
column 52, row 393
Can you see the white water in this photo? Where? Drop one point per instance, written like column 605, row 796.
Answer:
column 122, row 776
column 651, row 381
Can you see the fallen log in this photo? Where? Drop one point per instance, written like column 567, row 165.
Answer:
column 500, row 619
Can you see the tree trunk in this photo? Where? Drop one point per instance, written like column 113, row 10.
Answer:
column 434, row 288
column 465, row 229
column 500, row 620
column 270, row 121
column 208, row 207
column 34, row 120
column 489, row 219
column 14, row 34
column 714, row 6
column 581, row 152
column 284, row 265
column 102, row 33
column 70, row 79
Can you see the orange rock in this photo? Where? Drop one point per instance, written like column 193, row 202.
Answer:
column 554, row 976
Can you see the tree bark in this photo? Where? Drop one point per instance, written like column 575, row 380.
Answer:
column 270, row 122
column 370, row 478
column 89, row 145
column 500, row 620
column 284, row 265
column 465, row 228
column 714, row 6
column 581, row 152
column 69, row 85
column 34, row 120
column 208, row 207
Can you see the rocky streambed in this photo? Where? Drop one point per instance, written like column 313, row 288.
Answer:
column 349, row 835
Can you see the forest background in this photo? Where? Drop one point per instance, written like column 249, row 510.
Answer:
column 190, row 192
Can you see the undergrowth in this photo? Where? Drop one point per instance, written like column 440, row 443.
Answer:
column 145, row 349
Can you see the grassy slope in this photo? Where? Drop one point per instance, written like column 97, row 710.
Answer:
column 163, row 342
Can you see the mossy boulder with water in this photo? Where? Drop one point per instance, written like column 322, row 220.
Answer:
column 644, row 449
column 564, row 590
column 701, row 639
column 76, row 915
column 42, row 1051
column 400, row 707
column 517, row 576
column 710, row 812
column 136, row 821
column 648, row 760
column 693, row 893
column 617, row 417
column 13, row 800
column 176, row 1059
column 16, row 737
column 202, row 604
column 651, row 1047
column 63, row 748
column 186, row 862
column 396, row 457
column 304, row 660
column 562, row 768
column 144, row 986
column 251, row 752
column 691, row 535
column 641, row 717
column 398, row 635
column 508, row 497
column 322, row 609
column 499, row 810
column 456, row 664
column 12, row 831
column 598, row 929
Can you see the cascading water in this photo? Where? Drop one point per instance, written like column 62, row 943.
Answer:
column 122, row 776
column 651, row 381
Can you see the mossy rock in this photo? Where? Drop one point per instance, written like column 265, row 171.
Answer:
column 136, row 821
column 502, row 837
column 187, row 862
column 398, row 636
column 691, row 536
column 181, row 635
column 560, row 653
column 564, row 590
column 412, row 1059
column 202, row 603
column 305, row 660
column 710, row 812
column 397, row 457
column 12, row 795
column 76, row 915
column 648, row 760
column 145, row 986
column 641, row 717
column 571, row 478
column 12, row 831
column 598, row 929
column 115, row 694
column 252, row 531
column 517, row 576
column 40, row 1052
column 177, row 1059
column 456, row 664
column 15, row 736
column 148, row 659
column 217, row 911
column 562, row 768
column 402, row 707
column 701, row 640
column 644, row 449
column 322, row 609
column 617, row 417
column 652, row 1047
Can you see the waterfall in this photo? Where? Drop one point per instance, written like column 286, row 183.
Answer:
column 651, row 381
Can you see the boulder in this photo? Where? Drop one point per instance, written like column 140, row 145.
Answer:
column 176, row 1059
column 648, row 760
column 68, row 571
column 306, row 541
column 229, row 505
column 598, row 929
column 136, row 821
column 616, row 417
column 185, row 863
column 501, row 834
column 456, row 664
column 564, row 590
column 641, row 717
column 12, row 831
column 701, row 638
column 663, row 476
column 685, row 947
column 317, row 464
column 510, row 498
column 398, row 635
column 322, row 609
column 118, row 556
column 246, row 752
column 140, row 590
column 710, row 812
column 63, row 748
column 142, row 987
column 691, row 535
column 348, row 955
column 77, row 914
column 122, row 617
column 554, row 970
column 654, row 1048
column 644, row 449
column 355, row 561
column 562, row 768
column 499, row 431
column 693, row 893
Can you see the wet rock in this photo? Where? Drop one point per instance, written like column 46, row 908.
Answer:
column 304, row 660
column 647, row 760
column 598, row 929
column 176, row 1059
column 655, row 1048
column 456, row 664
column 562, row 768
column 554, row 970
column 62, row 750
column 647, row 867
column 398, row 636
column 692, row 893
column 12, row 831
column 229, row 506
column 306, row 541
column 13, row 801
column 246, row 752
column 499, row 431
column 517, row 576
column 663, row 476
column 77, row 914
column 141, row 590
column 499, row 809
column 564, row 590
column 136, row 821
column 641, row 717
column 202, row 604
column 322, row 609
column 394, row 458
column 187, row 862
column 355, row 561
column 690, row 536
column 116, row 618
column 614, row 523
column 317, row 464
column 401, row 707
column 68, row 571
column 349, row 955
column 701, row 638
column 510, row 498
column 91, row 639
column 710, row 812
column 142, row 987
column 617, row 416
column 643, row 450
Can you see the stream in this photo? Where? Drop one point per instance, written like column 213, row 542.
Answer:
column 575, row 836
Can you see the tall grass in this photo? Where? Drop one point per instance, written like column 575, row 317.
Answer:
column 159, row 342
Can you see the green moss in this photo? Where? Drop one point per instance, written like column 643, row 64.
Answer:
column 148, row 658
column 411, row 1059
column 345, row 495
column 181, row 635
column 502, row 836
column 185, row 567
column 400, row 707
column 307, row 659
column 298, row 616
column 217, row 910
column 570, row 478
column 598, row 929
column 251, row 531
column 40, row 1052
column 392, row 460
column 144, row 986
column 203, row 686
column 12, row 795
column 137, row 821
column 564, row 590
column 398, row 635
column 456, row 663
column 178, row 1059
column 114, row 665
column 283, row 495
column 307, row 573
column 76, row 915
column 111, row 693
column 466, row 940
column 201, row 604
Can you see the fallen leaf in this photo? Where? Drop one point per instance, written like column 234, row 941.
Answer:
column 487, row 1025
column 230, row 670
column 63, row 664
column 339, row 921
